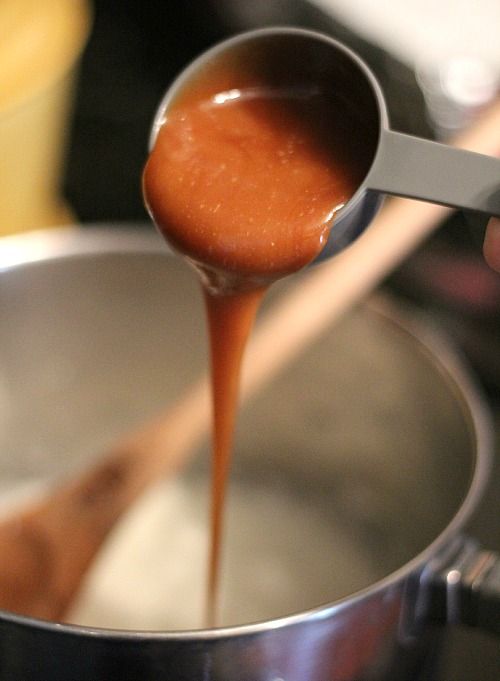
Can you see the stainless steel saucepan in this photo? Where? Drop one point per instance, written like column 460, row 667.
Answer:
column 355, row 475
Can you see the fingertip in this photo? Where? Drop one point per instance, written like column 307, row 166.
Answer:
column 492, row 244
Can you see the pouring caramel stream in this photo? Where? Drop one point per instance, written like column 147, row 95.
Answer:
column 244, row 182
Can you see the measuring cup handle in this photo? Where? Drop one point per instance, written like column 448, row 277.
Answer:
column 421, row 169
column 467, row 589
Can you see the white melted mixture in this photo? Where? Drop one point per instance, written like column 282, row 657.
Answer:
column 282, row 556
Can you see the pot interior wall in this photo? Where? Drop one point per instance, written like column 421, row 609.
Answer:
column 346, row 466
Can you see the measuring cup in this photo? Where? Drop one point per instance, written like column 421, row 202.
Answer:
column 394, row 163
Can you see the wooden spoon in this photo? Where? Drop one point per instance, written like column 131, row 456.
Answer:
column 47, row 548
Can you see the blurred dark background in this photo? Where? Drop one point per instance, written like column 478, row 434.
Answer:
column 136, row 49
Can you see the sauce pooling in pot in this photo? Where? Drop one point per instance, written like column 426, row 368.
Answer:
column 245, row 182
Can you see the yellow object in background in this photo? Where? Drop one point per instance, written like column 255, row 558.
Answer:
column 40, row 42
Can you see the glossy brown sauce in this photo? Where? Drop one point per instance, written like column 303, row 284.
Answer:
column 244, row 179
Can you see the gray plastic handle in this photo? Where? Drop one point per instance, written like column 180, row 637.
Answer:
column 420, row 169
